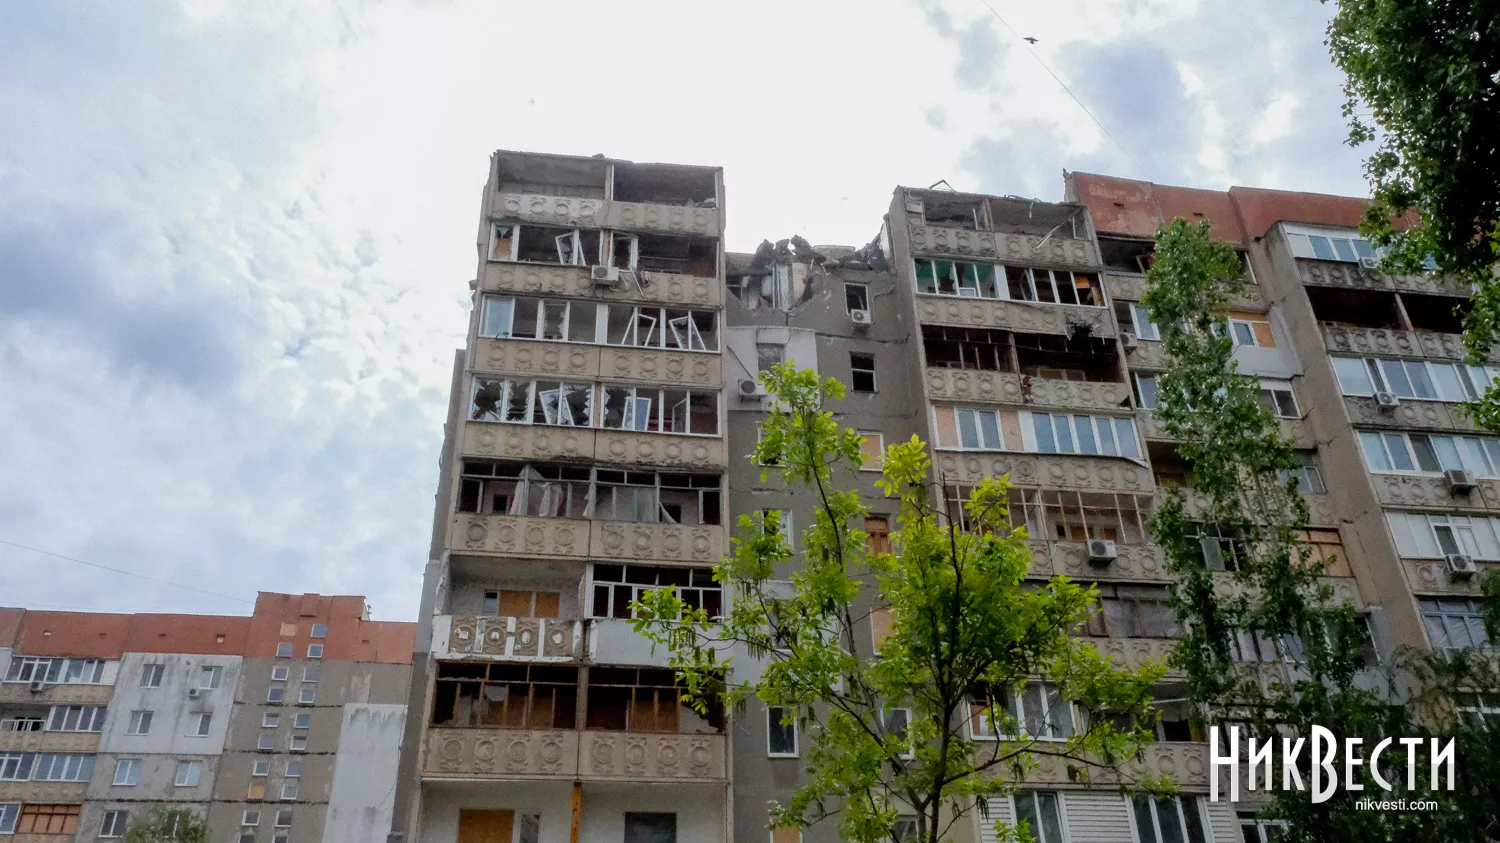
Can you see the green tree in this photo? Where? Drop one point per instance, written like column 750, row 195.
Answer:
column 1423, row 85
column 964, row 626
column 168, row 825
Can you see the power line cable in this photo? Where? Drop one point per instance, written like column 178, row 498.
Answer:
column 123, row 571
column 1105, row 129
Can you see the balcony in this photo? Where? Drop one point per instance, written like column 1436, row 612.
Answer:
column 1391, row 342
column 20, row 692
column 511, row 639
column 688, row 368
column 1139, row 562
column 615, row 447
column 576, row 538
column 49, row 741
column 1318, row 273
column 1146, row 354
column 1408, row 490
column 1000, row 246
column 1430, row 576
column 540, row 279
column 568, row 754
column 1133, row 653
column 1028, row 317
column 1413, row 414
column 55, row 793
column 1102, row 474
column 1186, row 763
column 579, row 212
column 970, row 386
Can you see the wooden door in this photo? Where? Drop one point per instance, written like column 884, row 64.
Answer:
column 484, row 826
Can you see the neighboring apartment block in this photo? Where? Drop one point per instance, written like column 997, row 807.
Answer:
column 605, row 405
column 104, row 717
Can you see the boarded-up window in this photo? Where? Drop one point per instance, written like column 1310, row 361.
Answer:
column 48, row 819
column 873, row 450
column 791, row 834
column 880, row 625
column 878, row 534
column 1249, row 328
column 1327, row 546
column 521, row 604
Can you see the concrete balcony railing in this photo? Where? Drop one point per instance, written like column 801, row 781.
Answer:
column 1297, row 430
column 1028, row 317
column 510, row 639
column 568, row 754
column 974, row 385
column 1132, row 287
column 1185, row 763
column 615, row 447
column 540, row 279
column 1099, row 474
column 598, row 362
column 1319, row 273
column 1389, row 342
column 1321, row 510
column 54, row 793
column 1406, row 491
column 1133, row 653
column 1147, row 354
column 1142, row 562
column 1430, row 576
column 1001, row 247
column 20, row 692
column 49, row 741
column 576, row 538
column 581, row 212
column 1411, row 415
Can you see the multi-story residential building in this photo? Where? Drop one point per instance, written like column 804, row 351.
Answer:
column 598, row 441
column 584, row 461
column 104, row 717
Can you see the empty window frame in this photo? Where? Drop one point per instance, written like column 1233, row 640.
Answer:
column 1059, row 515
column 616, row 587
column 506, row 317
column 521, row 604
column 1133, row 611
column 1037, row 711
column 1422, row 535
column 658, row 327
column 856, row 297
column 511, row 241
column 76, row 718
column 1039, row 809
column 1255, row 830
column 505, row 696
column 984, row 349
column 861, row 372
column 768, row 356
column 692, row 412
column 1168, row 818
column 1054, row 286
column 558, row 403
column 1219, row 547
column 1417, row 379
column 628, row 699
column 1422, row 453
column 770, row 289
column 1309, row 478
column 525, row 489
column 644, row 496
column 781, row 732
column 55, row 670
column 1058, row 433
column 696, row 256
column 1277, row 396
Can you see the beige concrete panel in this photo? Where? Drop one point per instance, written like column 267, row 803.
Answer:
column 536, row 357
column 511, row 639
column 1387, row 342
column 686, row 368
column 49, row 741
column 1030, row 317
column 631, row 542
column 1133, row 562
column 1411, row 415
column 20, row 692
column 622, row 447
column 1430, row 576
column 971, row 385
column 1340, row 274
column 1146, row 355
column 500, row 753
column 539, row 279
column 527, row 442
column 1102, row 474
column 577, row 212
column 519, row 536
column 1027, row 249
column 1405, row 491
column 638, row 756
column 1133, row 653
column 47, row 792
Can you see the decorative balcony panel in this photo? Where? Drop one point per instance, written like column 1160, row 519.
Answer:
column 1430, row 576
column 1406, row 491
column 521, row 537
column 1030, row 317
column 20, row 692
column 1142, row 562
column 577, row 212
column 1411, row 415
column 506, row 638
column 1300, row 432
column 1185, row 763
column 1151, row 427
column 501, row 753
column 660, row 449
column 1002, row 247
column 1127, row 287
column 1133, row 653
column 646, row 756
column 1100, row 474
column 533, row 357
column 47, row 793
column 633, row 542
column 1387, row 342
column 528, row 442
column 1339, row 274
column 688, row 368
column 1321, row 511
column 539, row 279
column 1344, row 589
column 1146, row 355
column 49, row 741
column 973, row 385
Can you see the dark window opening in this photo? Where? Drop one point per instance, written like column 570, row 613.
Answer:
column 665, row 184
column 697, row 256
column 967, row 348
column 1440, row 314
column 1359, row 308
column 1126, row 255
column 954, row 211
column 551, row 176
column 862, row 372
column 1055, row 357
column 505, row 696
column 650, row 828
column 628, row 699
column 1168, row 465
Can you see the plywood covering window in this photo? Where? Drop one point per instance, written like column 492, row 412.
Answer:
column 48, row 819
column 1252, row 329
column 521, row 604
column 878, row 534
column 505, row 696
column 627, row 699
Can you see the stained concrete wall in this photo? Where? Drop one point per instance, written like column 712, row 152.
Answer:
column 364, row 775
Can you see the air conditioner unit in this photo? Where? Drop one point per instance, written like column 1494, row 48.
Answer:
column 1459, row 481
column 1101, row 551
column 1369, row 264
column 1128, row 340
column 1461, row 566
column 195, row 693
column 860, row 318
column 1387, row 400
column 604, row 275
column 751, row 389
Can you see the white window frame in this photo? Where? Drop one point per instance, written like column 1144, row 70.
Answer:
column 280, row 672
column 1234, row 335
column 1476, row 454
column 1155, row 389
column 189, row 774
column 266, row 742
column 1300, row 242
column 1029, row 420
column 270, row 720
column 319, row 630
column 514, row 230
column 152, row 674
column 290, row 789
column 260, row 769
column 284, row 818
column 251, row 817
column 140, row 722
column 1472, row 380
column 1037, row 834
column 303, row 720
column 1017, row 709
column 1153, row 808
column 127, row 772
column 284, row 649
column 1275, row 385
column 298, row 743
column 210, row 676
column 55, row 671
column 276, row 695
column 10, row 814
column 982, row 443
column 205, row 725
column 862, row 290
column 1140, row 320
column 886, row 724
column 113, row 823
column 315, row 651
column 307, row 694
column 771, row 723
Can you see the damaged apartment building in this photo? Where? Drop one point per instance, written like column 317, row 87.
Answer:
column 605, row 406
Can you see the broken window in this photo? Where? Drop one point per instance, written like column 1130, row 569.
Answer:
column 628, row 699
column 532, row 402
column 624, row 250
column 665, row 184
column 1218, row 547
column 1054, row 286
column 1133, row 611
column 862, row 372
column 538, row 490
column 505, row 696
column 939, row 276
column 696, row 256
column 549, row 244
column 645, row 496
column 503, row 241
column 616, row 587
column 1358, row 308
column 985, row 349
column 1038, row 710
column 1132, row 256
column 769, row 356
column 1068, row 358
column 522, row 317
column 954, row 211
column 770, row 289
column 1309, row 478
column 661, row 410
column 1440, row 314
column 520, row 604
column 1059, row 515
column 857, row 297
column 657, row 327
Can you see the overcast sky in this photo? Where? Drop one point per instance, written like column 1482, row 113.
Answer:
column 235, row 243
